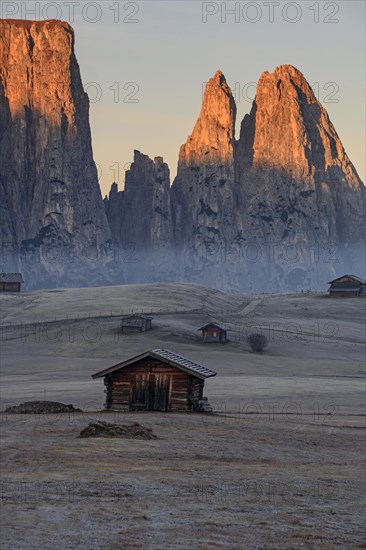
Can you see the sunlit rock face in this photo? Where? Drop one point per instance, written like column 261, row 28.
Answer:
column 281, row 207
column 52, row 207
column 203, row 192
column 302, row 195
column 212, row 139
column 289, row 128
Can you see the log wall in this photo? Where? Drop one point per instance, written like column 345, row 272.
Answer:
column 152, row 385
column 9, row 287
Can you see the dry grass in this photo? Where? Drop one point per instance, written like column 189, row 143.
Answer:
column 278, row 467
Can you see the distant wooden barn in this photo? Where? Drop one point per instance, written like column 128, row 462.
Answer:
column 157, row 380
column 213, row 332
column 347, row 286
column 10, row 282
column 136, row 323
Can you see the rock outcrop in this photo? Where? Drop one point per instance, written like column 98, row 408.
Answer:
column 203, row 192
column 140, row 217
column 303, row 199
column 281, row 207
column 53, row 220
column 206, row 167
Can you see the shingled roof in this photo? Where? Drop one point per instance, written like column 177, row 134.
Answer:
column 166, row 356
column 218, row 325
column 11, row 278
column 358, row 279
column 137, row 316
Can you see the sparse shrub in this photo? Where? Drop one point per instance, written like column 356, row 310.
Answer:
column 257, row 341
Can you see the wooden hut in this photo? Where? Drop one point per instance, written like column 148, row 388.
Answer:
column 135, row 323
column 157, row 380
column 10, row 282
column 347, row 286
column 213, row 332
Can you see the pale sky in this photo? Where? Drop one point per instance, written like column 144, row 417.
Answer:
column 163, row 58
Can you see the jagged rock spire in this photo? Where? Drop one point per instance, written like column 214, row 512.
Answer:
column 290, row 129
column 212, row 139
column 203, row 200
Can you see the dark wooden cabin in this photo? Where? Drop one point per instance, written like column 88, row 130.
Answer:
column 213, row 332
column 135, row 323
column 10, row 282
column 347, row 286
column 157, row 380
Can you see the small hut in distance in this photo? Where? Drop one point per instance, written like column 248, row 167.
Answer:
column 135, row 323
column 347, row 286
column 11, row 282
column 213, row 332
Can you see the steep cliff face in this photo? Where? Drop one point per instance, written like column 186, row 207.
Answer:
column 50, row 197
column 279, row 208
column 203, row 192
column 141, row 219
column 289, row 129
column 212, row 139
column 300, row 190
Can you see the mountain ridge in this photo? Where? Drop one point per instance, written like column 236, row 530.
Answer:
column 285, row 179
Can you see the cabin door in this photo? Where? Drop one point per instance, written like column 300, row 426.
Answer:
column 150, row 392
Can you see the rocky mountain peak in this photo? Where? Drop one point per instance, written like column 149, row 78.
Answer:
column 48, row 179
column 202, row 193
column 212, row 139
column 287, row 182
column 28, row 23
column 285, row 83
column 288, row 129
